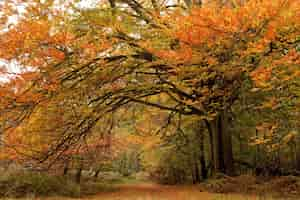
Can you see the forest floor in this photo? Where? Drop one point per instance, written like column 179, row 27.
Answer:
column 244, row 187
column 150, row 191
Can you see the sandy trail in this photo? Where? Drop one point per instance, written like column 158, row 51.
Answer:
column 149, row 191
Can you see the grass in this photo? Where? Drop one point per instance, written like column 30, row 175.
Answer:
column 128, row 180
column 29, row 185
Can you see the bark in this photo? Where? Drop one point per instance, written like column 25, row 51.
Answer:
column 298, row 153
column 204, row 172
column 226, row 144
column 211, row 145
column 221, row 145
column 216, row 148
column 240, row 150
column 193, row 176
column 66, row 169
column 78, row 174
column 96, row 173
column 257, row 151
column 197, row 174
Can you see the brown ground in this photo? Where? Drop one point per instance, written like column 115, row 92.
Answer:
column 147, row 191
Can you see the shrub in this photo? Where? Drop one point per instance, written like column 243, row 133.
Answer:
column 42, row 184
column 284, row 186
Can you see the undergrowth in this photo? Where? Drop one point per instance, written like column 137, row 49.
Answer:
column 29, row 184
column 278, row 187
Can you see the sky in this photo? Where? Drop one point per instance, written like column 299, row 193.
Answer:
column 11, row 67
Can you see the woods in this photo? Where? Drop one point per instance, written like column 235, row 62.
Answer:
column 185, row 91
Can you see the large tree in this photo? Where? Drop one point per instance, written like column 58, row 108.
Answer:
column 117, row 54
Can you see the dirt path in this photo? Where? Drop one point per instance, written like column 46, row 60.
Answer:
column 158, row 192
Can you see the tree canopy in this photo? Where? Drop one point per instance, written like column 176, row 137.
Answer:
column 80, row 66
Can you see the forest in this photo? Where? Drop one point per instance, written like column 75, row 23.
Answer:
column 150, row 99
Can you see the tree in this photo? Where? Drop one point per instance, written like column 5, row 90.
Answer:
column 116, row 58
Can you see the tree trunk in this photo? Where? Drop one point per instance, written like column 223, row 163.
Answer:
column 66, row 169
column 240, row 151
column 200, row 132
column 204, row 172
column 226, row 144
column 78, row 174
column 197, row 174
column 211, row 145
column 222, row 145
column 193, row 176
column 298, row 161
column 297, row 153
column 97, row 173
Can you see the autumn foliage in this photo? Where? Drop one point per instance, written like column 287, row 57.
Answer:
column 82, row 72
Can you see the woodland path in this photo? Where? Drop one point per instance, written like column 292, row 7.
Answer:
column 149, row 191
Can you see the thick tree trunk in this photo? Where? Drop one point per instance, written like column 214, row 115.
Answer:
column 240, row 151
column 193, row 176
column 197, row 174
column 200, row 132
column 211, row 145
column 226, row 144
column 204, row 172
column 298, row 153
column 192, row 170
column 222, row 145
column 218, row 145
